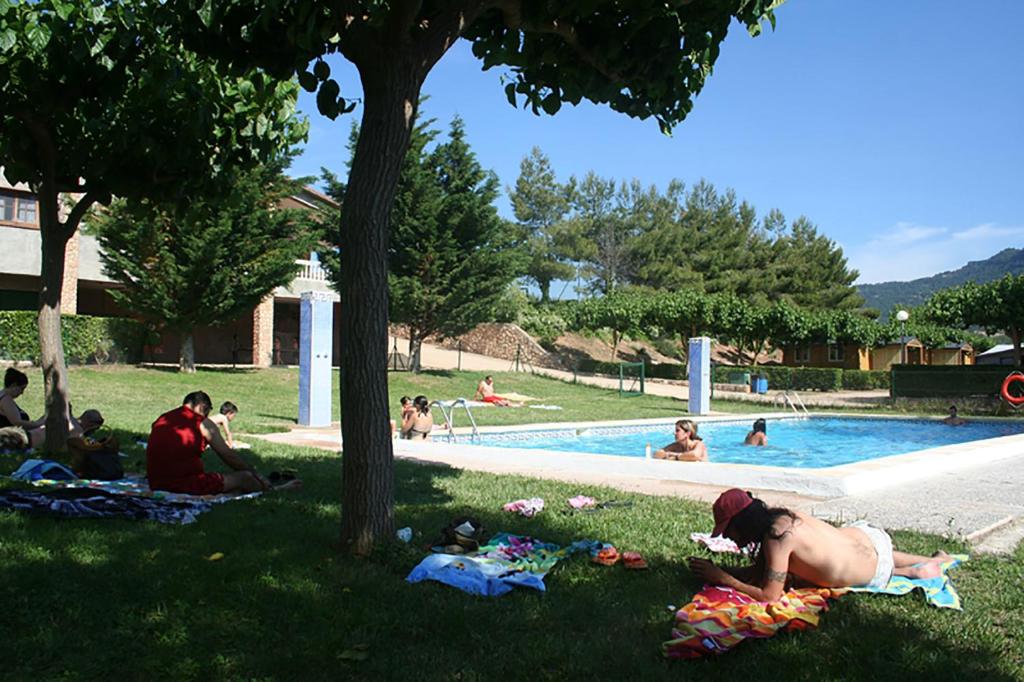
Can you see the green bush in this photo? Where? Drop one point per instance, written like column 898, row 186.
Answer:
column 543, row 323
column 666, row 370
column 86, row 339
column 817, row 379
column 862, row 379
column 954, row 381
column 669, row 348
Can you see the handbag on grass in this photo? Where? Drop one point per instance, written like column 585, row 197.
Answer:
column 96, row 457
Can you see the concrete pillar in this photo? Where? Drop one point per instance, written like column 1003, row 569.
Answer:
column 263, row 333
column 69, row 287
column 316, row 333
column 699, row 370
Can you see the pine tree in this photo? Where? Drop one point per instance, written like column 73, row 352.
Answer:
column 451, row 256
column 205, row 261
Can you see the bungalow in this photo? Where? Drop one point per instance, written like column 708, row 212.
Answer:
column 265, row 336
column 906, row 350
column 1000, row 354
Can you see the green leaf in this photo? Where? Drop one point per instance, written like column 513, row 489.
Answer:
column 551, row 104
column 4, row 6
column 327, row 98
column 321, row 70
column 63, row 9
column 7, row 40
column 38, row 36
column 308, row 81
column 510, row 93
column 206, row 13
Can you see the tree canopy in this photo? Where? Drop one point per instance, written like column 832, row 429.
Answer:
column 102, row 99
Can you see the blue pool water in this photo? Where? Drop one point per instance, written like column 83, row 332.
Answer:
column 810, row 442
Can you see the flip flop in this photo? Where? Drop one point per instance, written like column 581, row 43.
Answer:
column 606, row 556
column 633, row 560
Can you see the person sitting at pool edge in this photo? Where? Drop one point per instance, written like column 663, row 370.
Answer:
column 174, row 451
column 795, row 549
column 688, row 446
column 758, row 435
column 418, row 422
column 953, row 419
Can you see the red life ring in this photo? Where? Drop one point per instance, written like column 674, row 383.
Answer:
column 1015, row 401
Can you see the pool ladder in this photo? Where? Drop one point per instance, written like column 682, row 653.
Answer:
column 792, row 398
column 448, row 410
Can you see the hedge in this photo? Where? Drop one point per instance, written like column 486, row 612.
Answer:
column 930, row 381
column 86, row 339
column 863, row 379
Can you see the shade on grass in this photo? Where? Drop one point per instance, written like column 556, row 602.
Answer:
column 90, row 599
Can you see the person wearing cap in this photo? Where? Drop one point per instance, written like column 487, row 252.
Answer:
column 758, row 434
column 687, row 447
column 795, row 548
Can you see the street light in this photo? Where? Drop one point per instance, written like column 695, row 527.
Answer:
column 903, row 316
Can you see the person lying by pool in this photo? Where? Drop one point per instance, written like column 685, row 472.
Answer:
column 758, row 435
column 953, row 419
column 795, row 549
column 688, row 446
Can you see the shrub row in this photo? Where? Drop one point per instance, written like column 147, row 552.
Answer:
column 86, row 339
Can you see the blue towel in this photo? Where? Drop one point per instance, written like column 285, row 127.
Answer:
column 939, row 591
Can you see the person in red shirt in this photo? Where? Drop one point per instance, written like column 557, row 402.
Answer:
column 174, row 454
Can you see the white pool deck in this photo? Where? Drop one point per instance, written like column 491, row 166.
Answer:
column 968, row 489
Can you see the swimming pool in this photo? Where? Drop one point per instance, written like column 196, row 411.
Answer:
column 810, row 442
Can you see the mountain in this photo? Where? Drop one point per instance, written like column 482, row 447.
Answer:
column 885, row 295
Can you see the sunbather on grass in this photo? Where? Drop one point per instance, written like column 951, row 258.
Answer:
column 796, row 549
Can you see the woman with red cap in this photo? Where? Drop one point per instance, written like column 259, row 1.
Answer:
column 794, row 547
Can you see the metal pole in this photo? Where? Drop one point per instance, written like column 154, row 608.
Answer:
column 460, row 355
column 903, row 343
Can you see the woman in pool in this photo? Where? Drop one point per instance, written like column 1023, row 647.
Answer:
column 792, row 544
column 758, row 435
column 688, row 446
column 417, row 423
column 15, row 383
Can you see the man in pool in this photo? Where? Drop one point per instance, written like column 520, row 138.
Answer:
column 795, row 549
column 758, row 434
column 688, row 446
column 953, row 419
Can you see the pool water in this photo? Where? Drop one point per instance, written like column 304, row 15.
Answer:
column 808, row 442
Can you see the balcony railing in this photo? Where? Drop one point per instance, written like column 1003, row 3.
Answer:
column 311, row 270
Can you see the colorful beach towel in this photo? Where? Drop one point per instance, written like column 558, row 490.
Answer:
column 938, row 591
column 136, row 485
column 85, row 503
column 525, row 508
column 719, row 618
column 507, row 561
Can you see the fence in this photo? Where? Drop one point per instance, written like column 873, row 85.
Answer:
column 929, row 381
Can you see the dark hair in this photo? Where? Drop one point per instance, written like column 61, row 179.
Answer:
column 14, row 377
column 420, row 402
column 690, row 426
column 488, row 377
column 197, row 399
column 754, row 525
column 760, row 425
column 403, row 400
column 953, row 408
column 228, row 408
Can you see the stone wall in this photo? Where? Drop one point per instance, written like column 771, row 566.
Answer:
column 497, row 340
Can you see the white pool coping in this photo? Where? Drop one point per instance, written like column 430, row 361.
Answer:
column 846, row 479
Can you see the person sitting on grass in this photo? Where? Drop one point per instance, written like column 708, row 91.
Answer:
column 174, row 451
column 485, row 390
column 228, row 412
column 795, row 549
column 688, row 446
column 759, row 434
column 86, row 423
column 954, row 419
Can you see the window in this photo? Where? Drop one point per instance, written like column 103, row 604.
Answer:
column 802, row 354
column 19, row 209
column 836, row 353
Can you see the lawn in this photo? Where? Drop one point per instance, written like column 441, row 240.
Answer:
column 92, row 599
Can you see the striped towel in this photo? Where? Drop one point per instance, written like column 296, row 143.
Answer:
column 938, row 591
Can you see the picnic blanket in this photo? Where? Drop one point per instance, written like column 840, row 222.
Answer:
column 938, row 591
column 507, row 561
column 719, row 618
column 136, row 485
column 86, row 503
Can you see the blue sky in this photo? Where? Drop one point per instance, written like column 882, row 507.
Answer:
column 896, row 127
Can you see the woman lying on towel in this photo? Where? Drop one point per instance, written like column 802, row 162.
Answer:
column 794, row 546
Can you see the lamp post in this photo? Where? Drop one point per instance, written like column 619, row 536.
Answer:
column 902, row 316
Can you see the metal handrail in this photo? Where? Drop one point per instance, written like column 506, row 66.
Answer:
column 449, row 418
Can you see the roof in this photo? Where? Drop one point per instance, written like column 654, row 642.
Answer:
column 997, row 349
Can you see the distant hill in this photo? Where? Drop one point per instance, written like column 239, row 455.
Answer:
column 885, row 295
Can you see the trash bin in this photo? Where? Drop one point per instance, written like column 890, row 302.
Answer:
column 762, row 385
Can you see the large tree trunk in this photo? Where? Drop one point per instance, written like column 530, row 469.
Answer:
column 1015, row 339
column 391, row 91
column 415, row 351
column 187, row 354
column 54, row 238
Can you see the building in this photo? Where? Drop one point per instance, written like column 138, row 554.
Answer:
column 268, row 335
column 907, row 350
column 1000, row 354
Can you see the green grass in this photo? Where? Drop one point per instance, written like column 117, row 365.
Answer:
column 91, row 599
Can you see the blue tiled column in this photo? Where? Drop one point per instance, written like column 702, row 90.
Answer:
column 316, row 333
column 699, row 370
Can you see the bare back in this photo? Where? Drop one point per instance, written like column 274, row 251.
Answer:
column 822, row 554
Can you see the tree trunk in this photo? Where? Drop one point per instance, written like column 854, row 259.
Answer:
column 51, row 346
column 415, row 351
column 391, row 91
column 187, row 354
column 545, row 291
column 1015, row 338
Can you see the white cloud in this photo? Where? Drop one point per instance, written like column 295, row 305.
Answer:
column 909, row 251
